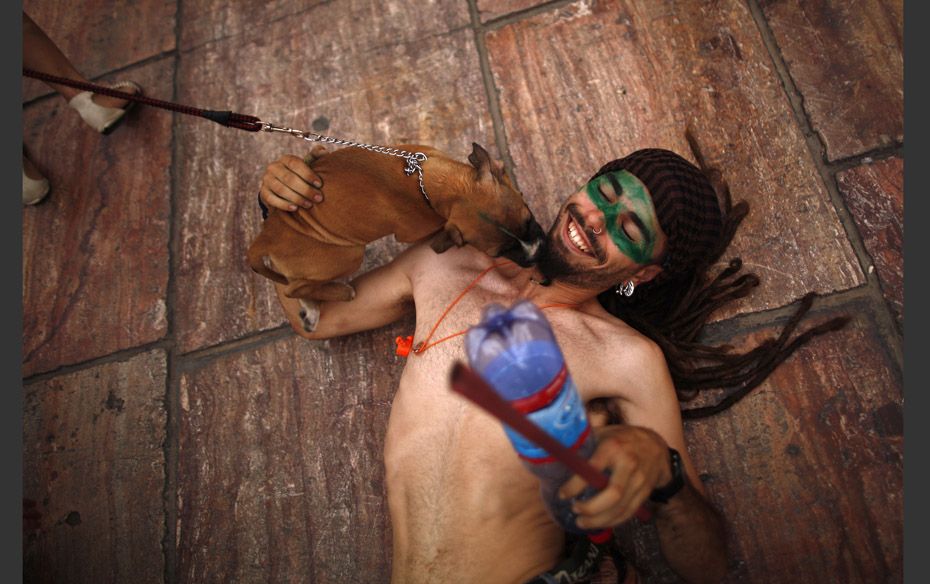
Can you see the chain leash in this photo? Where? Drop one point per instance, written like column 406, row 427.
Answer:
column 414, row 159
column 242, row 122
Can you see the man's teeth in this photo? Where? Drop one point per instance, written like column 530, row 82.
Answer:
column 576, row 237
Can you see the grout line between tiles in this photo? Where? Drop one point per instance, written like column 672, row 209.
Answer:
column 201, row 357
column 516, row 16
column 875, row 155
column 742, row 324
column 173, row 380
column 857, row 303
column 492, row 94
column 114, row 357
column 186, row 362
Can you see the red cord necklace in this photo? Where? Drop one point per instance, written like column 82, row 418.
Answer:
column 405, row 344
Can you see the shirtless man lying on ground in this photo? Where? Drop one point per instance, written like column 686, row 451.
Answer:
column 462, row 506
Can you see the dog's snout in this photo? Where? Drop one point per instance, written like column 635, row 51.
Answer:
column 533, row 231
column 528, row 249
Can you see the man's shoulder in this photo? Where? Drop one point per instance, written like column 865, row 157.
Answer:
column 613, row 331
column 630, row 365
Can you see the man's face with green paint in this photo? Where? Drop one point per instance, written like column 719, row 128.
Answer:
column 605, row 232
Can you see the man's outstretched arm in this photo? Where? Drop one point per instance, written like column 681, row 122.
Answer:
column 382, row 296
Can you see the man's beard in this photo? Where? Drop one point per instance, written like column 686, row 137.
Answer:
column 556, row 262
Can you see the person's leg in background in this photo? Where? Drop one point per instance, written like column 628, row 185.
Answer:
column 101, row 112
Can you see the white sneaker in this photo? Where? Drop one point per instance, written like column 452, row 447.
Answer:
column 34, row 190
column 101, row 118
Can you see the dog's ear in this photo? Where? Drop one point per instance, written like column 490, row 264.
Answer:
column 487, row 168
column 446, row 238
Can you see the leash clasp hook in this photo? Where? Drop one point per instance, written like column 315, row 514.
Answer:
column 269, row 127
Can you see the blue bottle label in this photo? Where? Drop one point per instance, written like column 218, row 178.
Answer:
column 564, row 419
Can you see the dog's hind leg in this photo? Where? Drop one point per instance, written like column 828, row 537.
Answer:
column 320, row 290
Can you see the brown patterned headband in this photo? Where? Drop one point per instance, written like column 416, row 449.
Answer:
column 685, row 202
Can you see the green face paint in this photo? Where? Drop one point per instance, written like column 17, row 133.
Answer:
column 617, row 195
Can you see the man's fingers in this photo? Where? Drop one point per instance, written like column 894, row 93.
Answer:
column 628, row 489
column 636, row 492
column 572, row 487
column 292, row 190
column 300, row 168
column 300, row 178
column 610, row 507
column 295, row 186
column 278, row 194
column 272, row 200
column 289, row 183
column 610, row 518
column 614, row 510
column 600, row 502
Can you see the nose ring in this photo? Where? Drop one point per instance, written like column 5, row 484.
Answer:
column 597, row 231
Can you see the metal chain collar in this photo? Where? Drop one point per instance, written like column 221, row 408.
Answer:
column 414, row 159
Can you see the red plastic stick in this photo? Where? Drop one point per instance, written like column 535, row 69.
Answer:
column 470, row 385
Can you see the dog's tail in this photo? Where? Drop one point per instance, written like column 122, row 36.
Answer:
column 257, row 263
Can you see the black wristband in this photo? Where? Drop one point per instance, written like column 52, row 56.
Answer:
column 663, row 494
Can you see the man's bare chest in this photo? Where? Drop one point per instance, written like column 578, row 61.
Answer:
column 445, row 311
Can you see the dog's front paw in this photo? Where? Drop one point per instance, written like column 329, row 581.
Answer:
column 309, row 315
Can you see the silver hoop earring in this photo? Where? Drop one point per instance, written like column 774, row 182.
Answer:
column 626, row 288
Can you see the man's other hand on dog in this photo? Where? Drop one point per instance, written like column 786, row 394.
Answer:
column 289, row 182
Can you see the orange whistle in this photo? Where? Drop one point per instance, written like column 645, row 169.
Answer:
column 404, row 344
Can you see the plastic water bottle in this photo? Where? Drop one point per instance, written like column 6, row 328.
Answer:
column 516, row 353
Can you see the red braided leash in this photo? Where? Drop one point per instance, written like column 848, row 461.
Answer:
column 225, row 118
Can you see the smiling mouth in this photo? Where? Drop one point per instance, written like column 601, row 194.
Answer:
column 577, row 238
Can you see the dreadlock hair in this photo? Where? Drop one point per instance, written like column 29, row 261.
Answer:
column 673, row 308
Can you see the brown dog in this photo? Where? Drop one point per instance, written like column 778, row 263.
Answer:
column 368, row 196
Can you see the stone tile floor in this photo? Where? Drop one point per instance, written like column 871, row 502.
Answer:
column 176, row 430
